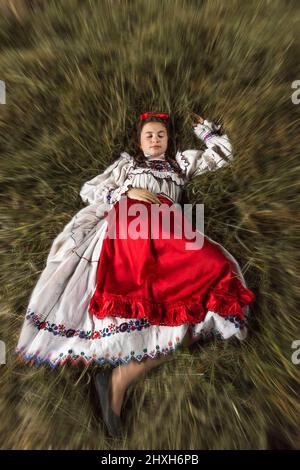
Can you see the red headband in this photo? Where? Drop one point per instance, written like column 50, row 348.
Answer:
column 163, row 116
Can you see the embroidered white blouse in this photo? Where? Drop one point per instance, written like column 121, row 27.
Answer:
column 158, row 176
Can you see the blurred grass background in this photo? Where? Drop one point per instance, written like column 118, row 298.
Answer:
column 78, row 73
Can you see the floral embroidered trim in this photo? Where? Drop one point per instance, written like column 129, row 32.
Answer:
column 177, row 180
column 109, row 196
column 70, row 356
column 158, row 165
column 208, row 135
column 62, row 330
column 112, row 329
column 205, row 131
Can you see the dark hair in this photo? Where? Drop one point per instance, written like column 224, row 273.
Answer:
column 137, row 152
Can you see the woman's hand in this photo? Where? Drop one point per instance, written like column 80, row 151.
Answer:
column 212, row 126
column 196, row 119
column 142, row 195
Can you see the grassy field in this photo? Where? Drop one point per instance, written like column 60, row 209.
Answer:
column 77, row 74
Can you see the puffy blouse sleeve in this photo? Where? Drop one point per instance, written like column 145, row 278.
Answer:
column 217, row 154
column 109, row 186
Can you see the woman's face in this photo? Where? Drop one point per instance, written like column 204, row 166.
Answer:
column 154, row 139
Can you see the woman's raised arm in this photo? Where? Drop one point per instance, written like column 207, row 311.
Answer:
column 217, row 154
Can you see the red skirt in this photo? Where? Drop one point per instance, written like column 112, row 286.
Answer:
column 157, row 277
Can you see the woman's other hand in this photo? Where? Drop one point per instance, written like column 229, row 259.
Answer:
column 210, row 125
column 196, row 119
column 142, row 195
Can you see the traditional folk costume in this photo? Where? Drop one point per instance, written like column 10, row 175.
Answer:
column 110, row 299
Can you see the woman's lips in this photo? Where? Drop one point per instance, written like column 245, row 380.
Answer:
column 155, row 147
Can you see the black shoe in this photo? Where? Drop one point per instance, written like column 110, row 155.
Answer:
column 112, row 420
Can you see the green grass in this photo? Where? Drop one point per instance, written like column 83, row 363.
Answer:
column 78, row 73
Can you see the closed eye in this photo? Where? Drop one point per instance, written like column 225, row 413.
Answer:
column 161, row 135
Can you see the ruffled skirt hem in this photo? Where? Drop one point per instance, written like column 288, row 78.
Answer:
column 189, row 311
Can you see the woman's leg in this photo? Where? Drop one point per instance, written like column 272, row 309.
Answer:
column 124, row 375
column 188, row 339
